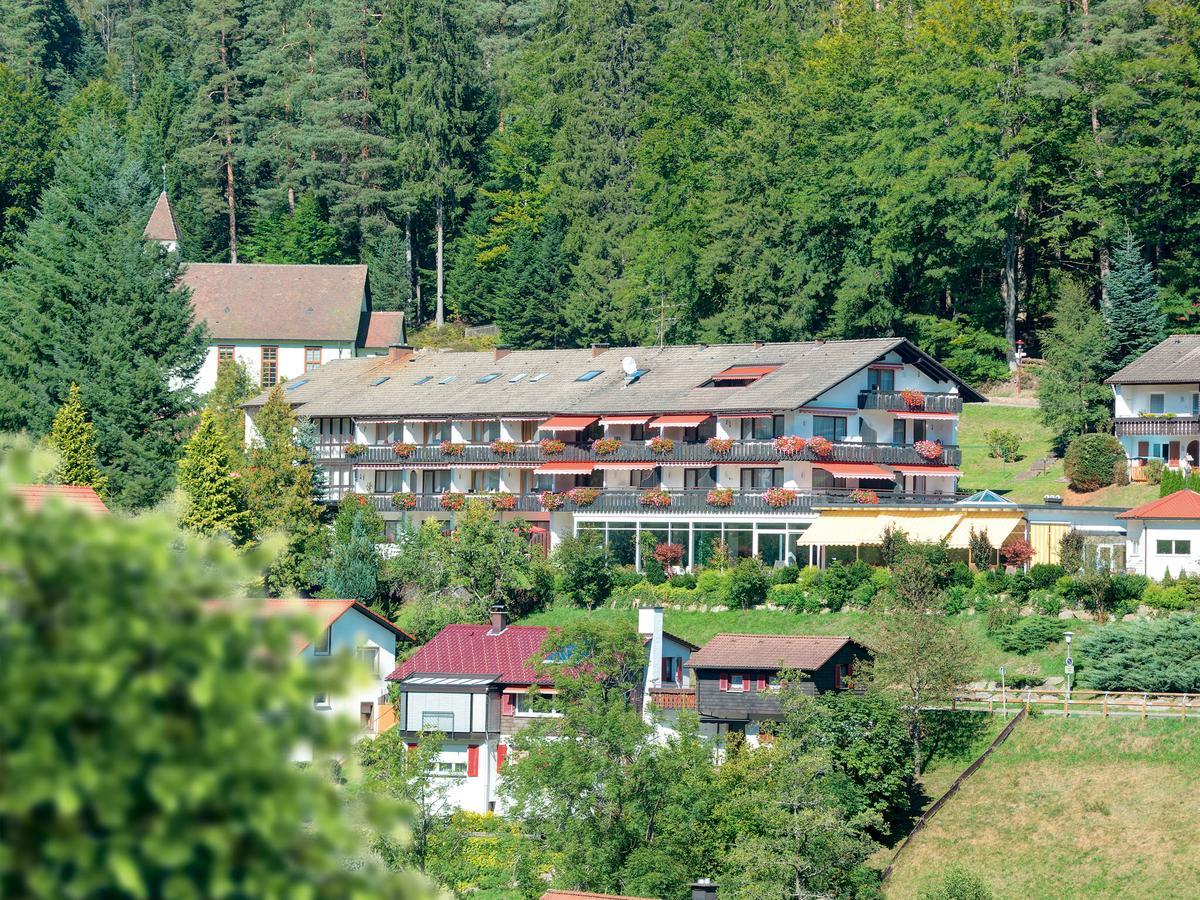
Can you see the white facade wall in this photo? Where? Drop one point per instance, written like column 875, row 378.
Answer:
column 348, row 634
column 1145, row 556
column 291, row 358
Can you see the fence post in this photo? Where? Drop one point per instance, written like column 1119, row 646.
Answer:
column 1106, row 704
column 1143, row 706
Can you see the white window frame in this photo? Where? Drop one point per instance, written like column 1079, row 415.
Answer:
column 321, row 701
column 323, row 645
column 520, row 700
column 370, row 657
column 737, row 684
column 431, row 717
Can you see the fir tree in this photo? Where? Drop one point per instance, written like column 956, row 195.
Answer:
column 88, row 301
column 73, row 438
column 353, row 568
column 301, row 236
column 26, row 150
column 1071, row 392
column 1131, row 312
column 216, row 503
column 232, row 388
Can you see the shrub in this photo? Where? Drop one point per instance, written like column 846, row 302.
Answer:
column 713, row 584
column 1169, row 483
column 1044, row 575
column 684, row 580
column 1070, row 551
column 1046, row 602
column 1153, row 469
column 584, row 568
column 626, row 576
column 982, row 552
column 893, row 546
column 1003, row 444
column 956, row 600
column 1031, row 634
column 748, row 584
column 668, row 555
column 793, row 597
column 1147, row 655
column 1091, row 460
column 958, row 884
column 960, row 573
column 1127, row 590
column 1071, row 590
column 1167, row 598
column 1017, row 552
column 785, row 575
column 1019, row 586
column 838, row 584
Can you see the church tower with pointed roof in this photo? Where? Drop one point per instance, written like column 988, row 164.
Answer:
column 161, row 227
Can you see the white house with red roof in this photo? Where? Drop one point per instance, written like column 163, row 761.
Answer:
column 1164, row 535
column 472, row 683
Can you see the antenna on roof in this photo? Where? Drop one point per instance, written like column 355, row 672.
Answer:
column 164, row 174
column 629, row 365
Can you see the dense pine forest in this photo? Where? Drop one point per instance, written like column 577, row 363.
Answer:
column 644, row 170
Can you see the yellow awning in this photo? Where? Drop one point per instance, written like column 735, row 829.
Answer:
column 844, row 528
column 998, row 528
column 924, row 527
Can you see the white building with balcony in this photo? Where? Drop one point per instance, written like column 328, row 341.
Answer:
column 1156, row 405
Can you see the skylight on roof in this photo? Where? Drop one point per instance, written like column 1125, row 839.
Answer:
column 588, row 376
column 517, row 377
column 538, row 377
column 425, row 379
column 380, row 380
column 489, row 378
column 447, row 379
column 291, row 386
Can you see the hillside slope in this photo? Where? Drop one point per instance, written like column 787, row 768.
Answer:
column 1072, row 808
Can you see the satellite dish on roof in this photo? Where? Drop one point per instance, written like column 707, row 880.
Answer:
column 629, row 365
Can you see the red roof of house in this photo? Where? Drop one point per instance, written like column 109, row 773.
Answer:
column 34, row 495
column 1179, row 505
column 767, row 651
column 383, row 328
column 325, row 611
column 587, row 895
column 472, row 650
column 161, row 226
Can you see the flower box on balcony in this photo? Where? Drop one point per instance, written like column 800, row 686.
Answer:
column 551, row 446
column 720, row 497
column 504, row 501
column 605, row 446
column 449, row 448
column 930, row 450
column 661, row 445
column 790, row 444
column 403, row 500
column 403, row 450
column 352, row 450
column 551, row 501
column 778, row 498
column 583, row 496
column 656, row 498
column 453, row 501
column 913, row 399
column 720, row 446
column 503, row 448
column 862, row 495
column 822, row 448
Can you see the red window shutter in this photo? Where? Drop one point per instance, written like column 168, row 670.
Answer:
column 472, row 760
column 746, row 684
column 762, row 684
column 837, row 677
column 501, row 756
column 1143, row 449
column 724, row 681
column 412, row 746
column 506, row 704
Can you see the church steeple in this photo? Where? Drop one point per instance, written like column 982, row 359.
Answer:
column 161, row 226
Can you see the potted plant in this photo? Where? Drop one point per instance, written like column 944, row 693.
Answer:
column 863, row 495
column 449, row 448
column 551, row 501
column 720, row 497
column 718, row 445
column 354, row 449
column 790, row 444
column 453, row 501
column 656, row 498
column 403, row 450
column 778, row 497
column 504, row 501
column 551, row 446
column 605, row 446
column 403, row 500
column 821, row 447
column 930, row 450
column 503, row 448
column 583, row 496
column 913, row 398
column 661, row 445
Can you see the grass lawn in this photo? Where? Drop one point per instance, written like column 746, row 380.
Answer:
column 1072, row 808
column 699, row 627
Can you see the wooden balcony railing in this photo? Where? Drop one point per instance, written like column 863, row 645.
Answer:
column 673, row 698
column 893, row 400
column 1157, row 426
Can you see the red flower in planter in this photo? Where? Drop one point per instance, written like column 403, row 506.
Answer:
column 928, row 449
column 661, row 445
column 503, row 448
column 790, row 444
column 504, row 501
column 551, row 501
column 403, row 500
column 778, row 497
column 352, row 450
column 451, row 449
column 862, row 495
column 453, row 501
column 719, row 445
column 583, row 496
column 655, row 497
column 403, row 450
column 821, row 447
column 551, row 446
column 605, row 446
column 913, row 399
column 721, row 497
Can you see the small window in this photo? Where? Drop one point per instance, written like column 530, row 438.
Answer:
column 380, row 380
column 321, row 701
column 881, row 379
column 370, row 656
column 1157, row 403
column 1183, row 548
column 224, row 352
column 635, row 375
column 1173, row 548
column 538, row 377
column 737, row 683
column 588, row 376
column 774, row 683
column 324, row 641
column 292, row 385
column 438, row 721
column 831, row 428
column 269, row 371
column 312, row 358
column 489, row 378
column 1196, row 406
column 524, row 705
column 517, row 377
column 448, row 767
column 425, row 379
column 366, row 717
column 447, row 379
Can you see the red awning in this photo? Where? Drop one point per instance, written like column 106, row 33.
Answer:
column 625, row 420
column 567, row 423
column 854, row 470
column 749, row 372
column 747, row 415
column 565, row 468
column 921, row 414
column 688, row 421
column 625, row 466
column 930, row 471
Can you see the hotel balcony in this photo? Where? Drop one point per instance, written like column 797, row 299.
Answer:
column 1156, row 426
column 894, row 401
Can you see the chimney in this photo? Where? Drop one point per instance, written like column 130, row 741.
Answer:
column 398, row 353
column 650, row 625
column 501, row 351
column 1052, row 500
column 758, row 345
column 597, row 349
column 704, row 889
column 499, row 619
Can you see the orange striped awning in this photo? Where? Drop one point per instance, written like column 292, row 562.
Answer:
column 681, row 421
column 567, row 423
column 565, row 468
column 853, row 470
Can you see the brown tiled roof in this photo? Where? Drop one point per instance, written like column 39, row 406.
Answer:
column 34, row 495
column 1175, row 361
column 767, row 651
column 253, row 301
column 588, row 895
column 161, row 226
column 383, row 329
column 324, row 611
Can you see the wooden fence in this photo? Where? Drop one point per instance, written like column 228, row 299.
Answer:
column 953, row 789
column 1082, row 702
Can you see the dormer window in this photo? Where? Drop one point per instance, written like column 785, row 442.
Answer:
column 739, row 376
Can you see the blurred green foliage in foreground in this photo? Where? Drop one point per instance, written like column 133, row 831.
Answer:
column 146, row 739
